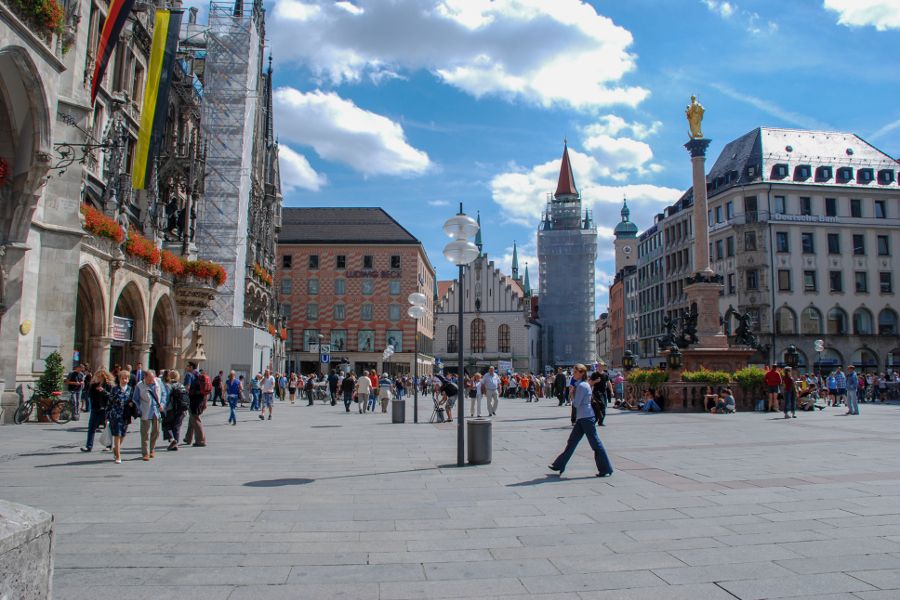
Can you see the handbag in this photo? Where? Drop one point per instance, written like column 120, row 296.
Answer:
column 106, row 436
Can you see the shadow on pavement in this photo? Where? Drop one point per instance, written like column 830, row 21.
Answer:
column 265, row 483
column 546, row 479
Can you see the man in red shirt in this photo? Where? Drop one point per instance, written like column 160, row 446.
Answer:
column 772, row 380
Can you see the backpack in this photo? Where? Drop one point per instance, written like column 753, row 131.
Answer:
column 451, row 389
column 202, row 386
column 598, row 395
column 179, row 398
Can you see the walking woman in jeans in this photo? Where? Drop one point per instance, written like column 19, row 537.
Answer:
column 583, row 424
column 119, row 397
column 233, row 389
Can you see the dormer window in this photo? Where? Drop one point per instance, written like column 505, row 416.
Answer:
column 733, row 175
column 802, row 172
column 823, row 173
column 779, row 171
column 885, row 176
column 845, row 174
column 751, row 172
column 866, row 175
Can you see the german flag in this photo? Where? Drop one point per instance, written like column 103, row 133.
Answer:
column 112, row 28
column 156, row 95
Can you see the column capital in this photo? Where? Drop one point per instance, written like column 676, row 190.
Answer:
column 697, row 147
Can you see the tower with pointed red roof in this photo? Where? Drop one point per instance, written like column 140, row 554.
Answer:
column 567, row 253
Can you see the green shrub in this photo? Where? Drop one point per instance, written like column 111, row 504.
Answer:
column 652, row 377
column 706, row 376
column 749, row 377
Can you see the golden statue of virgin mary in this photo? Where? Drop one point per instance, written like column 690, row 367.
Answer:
column 694, row 113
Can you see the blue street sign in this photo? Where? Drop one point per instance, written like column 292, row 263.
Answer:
column 325, row 358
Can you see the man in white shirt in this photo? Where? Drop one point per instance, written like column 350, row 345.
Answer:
column 490, row 387
column 363, row 390
column 149, row 394
column 268, row 394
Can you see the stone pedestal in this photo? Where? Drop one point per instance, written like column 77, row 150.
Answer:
column 716, row 359
column 26, row 559
column 704, row 295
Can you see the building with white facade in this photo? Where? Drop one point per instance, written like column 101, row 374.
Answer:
column 498, row 322
column 804, row 226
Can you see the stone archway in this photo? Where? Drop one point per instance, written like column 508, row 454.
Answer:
column 90, row 318
column 162, row 335
column 130, row 305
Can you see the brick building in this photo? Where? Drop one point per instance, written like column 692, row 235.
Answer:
column 345, row 274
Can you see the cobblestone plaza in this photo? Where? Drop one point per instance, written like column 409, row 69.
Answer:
column 318, row 503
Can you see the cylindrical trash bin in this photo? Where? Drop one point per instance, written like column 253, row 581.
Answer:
column 398, row 411
column 479, row 431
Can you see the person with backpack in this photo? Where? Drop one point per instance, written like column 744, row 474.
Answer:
column 198, row 394
column 601, row 390
column 348, row 386
column 449, row 393
column 217, row 389
column 177, row 405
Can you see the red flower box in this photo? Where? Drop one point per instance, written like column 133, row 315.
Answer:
column 172, row 263
column 140, row 247
column 101, row 225
column 206, row 269
column 5, row 172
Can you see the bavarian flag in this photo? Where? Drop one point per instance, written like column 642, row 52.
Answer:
column 112, row 28
column 156, row 94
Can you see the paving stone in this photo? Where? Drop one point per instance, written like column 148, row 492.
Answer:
column 377, row 511
column 797, row 585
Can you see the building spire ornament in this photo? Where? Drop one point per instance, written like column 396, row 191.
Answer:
column 527, row 282
column 566, row 184
column 478, row 235
column 515, row 263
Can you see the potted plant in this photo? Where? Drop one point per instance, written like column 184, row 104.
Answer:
column 50, row 384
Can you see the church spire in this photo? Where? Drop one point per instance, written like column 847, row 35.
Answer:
column 478, row 235
column 527, row 282
column 566, row 185
column 515, row 263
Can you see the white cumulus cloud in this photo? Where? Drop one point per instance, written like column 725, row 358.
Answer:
column 880, row 14
column 340, row 131
column 296, row 172
column 523, row 193
column 749, row 20
column 549, row 53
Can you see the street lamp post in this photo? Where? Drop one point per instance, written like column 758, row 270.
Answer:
column 460, row 252
column 673, row 360
column 416, row 310
column 792, row 356
column 628, row 360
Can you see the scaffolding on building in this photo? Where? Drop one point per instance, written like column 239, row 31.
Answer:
column 567, row 252
column 231, row 94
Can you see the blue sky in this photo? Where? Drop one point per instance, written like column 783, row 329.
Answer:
column 417, row 105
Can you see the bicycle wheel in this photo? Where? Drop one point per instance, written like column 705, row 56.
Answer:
column 23, row 412
column 61, row 412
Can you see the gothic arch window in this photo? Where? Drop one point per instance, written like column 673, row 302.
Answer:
column 503, row 338
column 862, row 322
column 811, row 321
column 478, row 335
column 837, row 321
column 452, row 339
column 785, row 321
column 887, row 322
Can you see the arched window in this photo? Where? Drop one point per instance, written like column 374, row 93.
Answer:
column 887, row 322
column 864, row 359
column 503, row 338
column 810, row 321
column 477, row 335
column 837, row 322
column 452, row 339
column 863, row 322
column 785, row 321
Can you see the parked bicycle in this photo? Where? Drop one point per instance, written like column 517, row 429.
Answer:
column 60, row 410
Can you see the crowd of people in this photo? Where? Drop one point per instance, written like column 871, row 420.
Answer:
column 787, row 390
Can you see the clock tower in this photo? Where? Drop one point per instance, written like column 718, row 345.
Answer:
column 626, row 240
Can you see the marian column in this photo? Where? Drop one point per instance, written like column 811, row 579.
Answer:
column 703, row 286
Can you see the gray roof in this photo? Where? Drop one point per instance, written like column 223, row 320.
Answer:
column 752, row 158
column 330, row 225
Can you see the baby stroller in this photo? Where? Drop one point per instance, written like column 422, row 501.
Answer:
column 438, row 415
column 810, row 400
